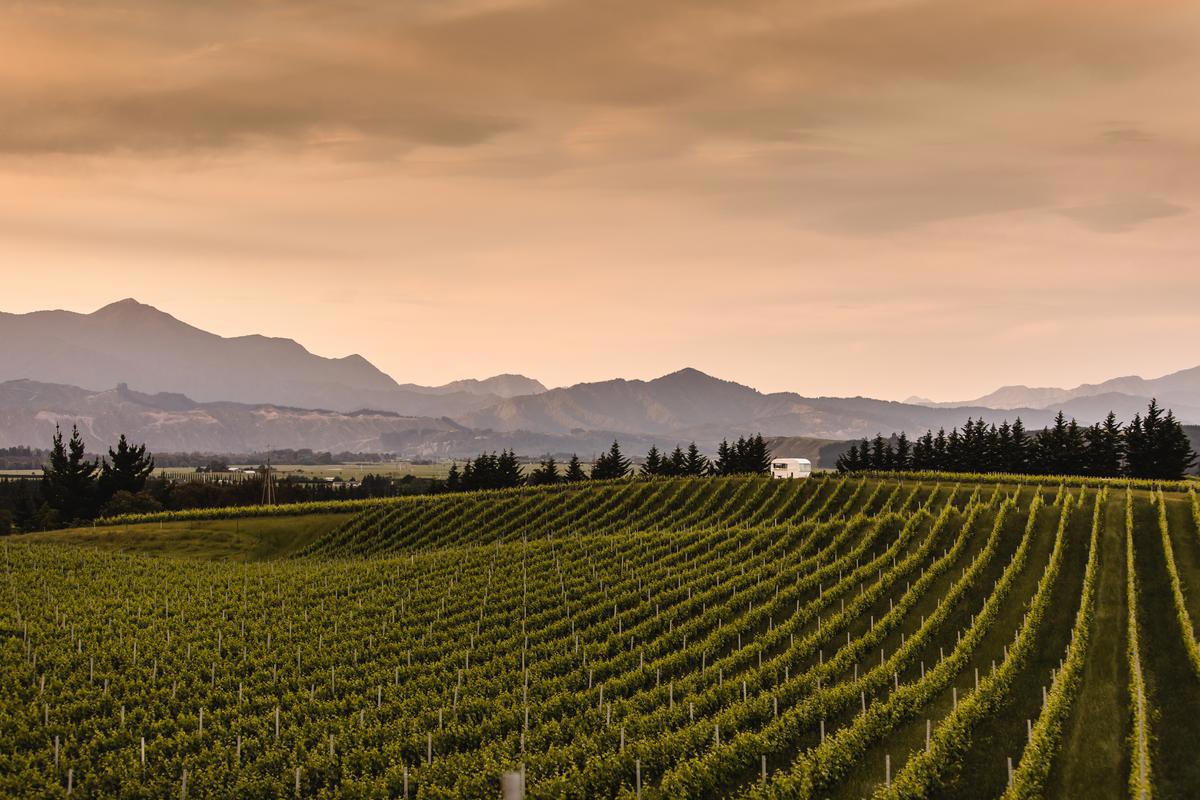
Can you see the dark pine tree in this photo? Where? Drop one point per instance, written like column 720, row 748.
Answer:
column 1105, row 448
column 611, row 464
column 675, row 465
column 696, row 463
column 546, row 473
column 724, row 464
column 846, row 461
column 653, row 465
column 69, row 482
column 1017, row 460
column 125, row 470
column 880, row 458
column 902, row 455
column 574, row 470
column 508, row 470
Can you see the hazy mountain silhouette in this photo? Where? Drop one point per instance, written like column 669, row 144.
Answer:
column 692, row 405
column 1179, row 390
column 133, row 343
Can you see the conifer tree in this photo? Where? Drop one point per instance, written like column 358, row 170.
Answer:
column 546, row 473
column 454, row 479
column 880, row 453
column 574, row 470
column 757, row 457
column 902, row 455
column 725, row 459
column 696, row 463
column 676, row 464
column 653, row 465
column 849, row 460
column 612, row 464
column 125, row 470
column 508, row 470
column 69, row 482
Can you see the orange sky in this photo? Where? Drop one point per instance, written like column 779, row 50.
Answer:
column 877, row 197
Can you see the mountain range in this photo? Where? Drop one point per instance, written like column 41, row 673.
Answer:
column 196, row 391
column 136, row 344
column 1178, row 390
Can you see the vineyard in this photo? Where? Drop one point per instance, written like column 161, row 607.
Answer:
column 845, row 636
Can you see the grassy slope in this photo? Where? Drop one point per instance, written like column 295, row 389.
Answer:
column 251, row 539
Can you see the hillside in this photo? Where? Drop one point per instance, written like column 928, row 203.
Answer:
column 692, row 405
column 136, row 344
column 174, row 422
column 841, row 636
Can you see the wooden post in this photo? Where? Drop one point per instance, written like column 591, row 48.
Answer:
column 298, row 783
column 637, row 766
column 70, row 779
column 183, row 785
column 512, row 786
column 887, row 770
column 1010, row 773
column 764, row 769
column 928, row 731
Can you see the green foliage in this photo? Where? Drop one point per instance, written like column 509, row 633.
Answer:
column 686, row 627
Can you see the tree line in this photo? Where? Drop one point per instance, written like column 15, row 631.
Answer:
column 75, row 488
column 1153, row 446
column 748, row 455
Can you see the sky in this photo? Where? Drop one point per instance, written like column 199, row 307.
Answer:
column 834, row 197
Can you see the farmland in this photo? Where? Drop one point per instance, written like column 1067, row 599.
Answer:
column 844, row 637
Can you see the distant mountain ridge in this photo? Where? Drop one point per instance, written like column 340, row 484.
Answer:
column 1179, row 390
column 194, row 390
column 133, row 343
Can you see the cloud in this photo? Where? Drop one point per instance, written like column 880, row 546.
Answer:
column 1126, row 136
column 380, row 78
column 1122, row 214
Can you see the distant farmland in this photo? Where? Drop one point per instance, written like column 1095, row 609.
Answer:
column 843, row 637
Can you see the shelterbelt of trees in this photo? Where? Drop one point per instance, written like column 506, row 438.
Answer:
column 76, row 488
column 1154, row 446
column 503, row 471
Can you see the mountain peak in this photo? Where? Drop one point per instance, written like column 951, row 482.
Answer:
column 127, row 304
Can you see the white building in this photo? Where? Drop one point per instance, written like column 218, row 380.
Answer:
column 791, row 468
